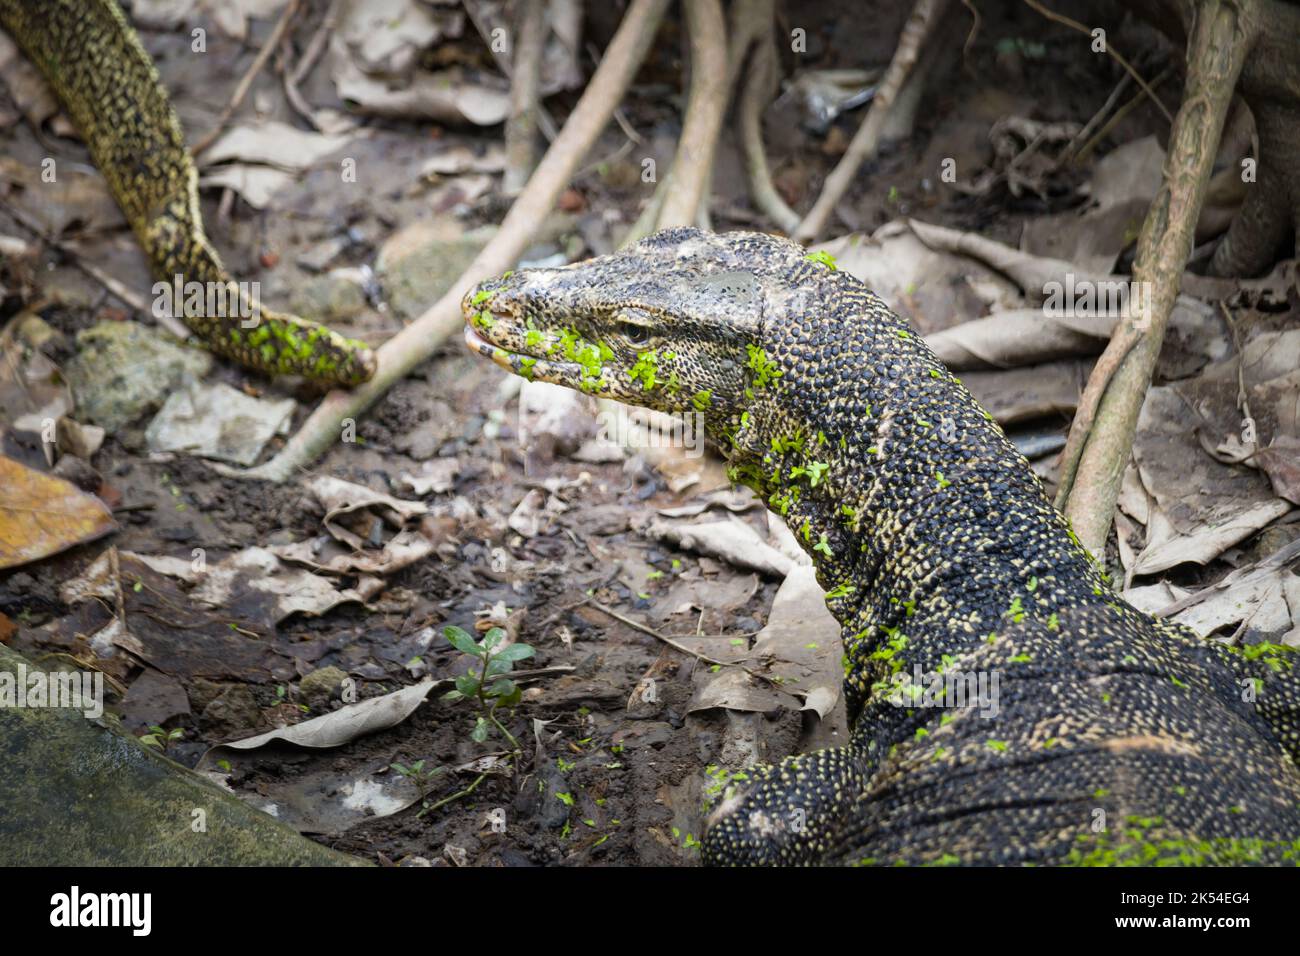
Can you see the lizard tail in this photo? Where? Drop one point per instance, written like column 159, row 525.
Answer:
column 101, row 73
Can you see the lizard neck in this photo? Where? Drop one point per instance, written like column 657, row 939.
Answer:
column 920, row 516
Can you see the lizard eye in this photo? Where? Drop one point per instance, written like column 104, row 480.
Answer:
column 637, row 335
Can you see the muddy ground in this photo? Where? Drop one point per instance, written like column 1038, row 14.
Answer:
column 607, row 776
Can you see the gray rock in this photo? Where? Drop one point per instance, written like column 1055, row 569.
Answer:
column 124, row 369
column 321, row 686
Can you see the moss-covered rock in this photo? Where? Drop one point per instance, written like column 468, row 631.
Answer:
column 74, row 793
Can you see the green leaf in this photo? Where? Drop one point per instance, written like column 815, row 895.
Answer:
column 462, row 641
column 502, row 688
column 514, row 652
column 481, row 728
column 467, row 684
column 493, row 637
column 496, row 667
column 452, row 696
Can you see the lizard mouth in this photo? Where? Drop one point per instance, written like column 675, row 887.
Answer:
column 537, row 368
column 487, row 349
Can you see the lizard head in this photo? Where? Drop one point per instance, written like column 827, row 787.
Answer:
column 667, row 323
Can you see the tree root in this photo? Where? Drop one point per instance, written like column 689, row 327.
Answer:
column 920, row 24
column 679, row 196
column 1270, row 85
column 758, row 24
column 419, row 340
column 1101, row 439
column 521, row 124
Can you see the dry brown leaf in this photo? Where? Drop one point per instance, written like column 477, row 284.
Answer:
column 41, row 515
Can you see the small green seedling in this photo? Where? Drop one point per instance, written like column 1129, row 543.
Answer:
column 160, row 737
column 490, row 686
column 418, row 775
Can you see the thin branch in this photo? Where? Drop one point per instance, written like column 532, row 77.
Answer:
column 544, row 120
column 295, row 73
column 1278, row 559
column 112, row 284
column 264, row 54
column 1076, row 25
column 1086, row 149
column 1084, row 134
column 646, row 629
column 316, row 45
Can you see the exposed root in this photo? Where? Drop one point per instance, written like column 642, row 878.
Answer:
column 679, row 195
column 755, row 95
column 521, row 125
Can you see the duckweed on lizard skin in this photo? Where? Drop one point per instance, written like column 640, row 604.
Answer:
column 939, row 551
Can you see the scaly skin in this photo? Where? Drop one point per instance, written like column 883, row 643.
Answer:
column 1110, row 736
column 106, row 81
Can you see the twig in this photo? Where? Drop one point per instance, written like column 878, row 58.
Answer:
column 703, row 658
column 1076, row 25
column 455, row 796
column 647, row 629
column 1086, row 149
column 626, row 126
column 295, row 73
column 976, row 21
column 264, row 54
column 620, row 116
column 1084, row 134
column 316, row 45
column 1278, row 559
column 113, row 285
column 418, row 341
column 920, row 24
